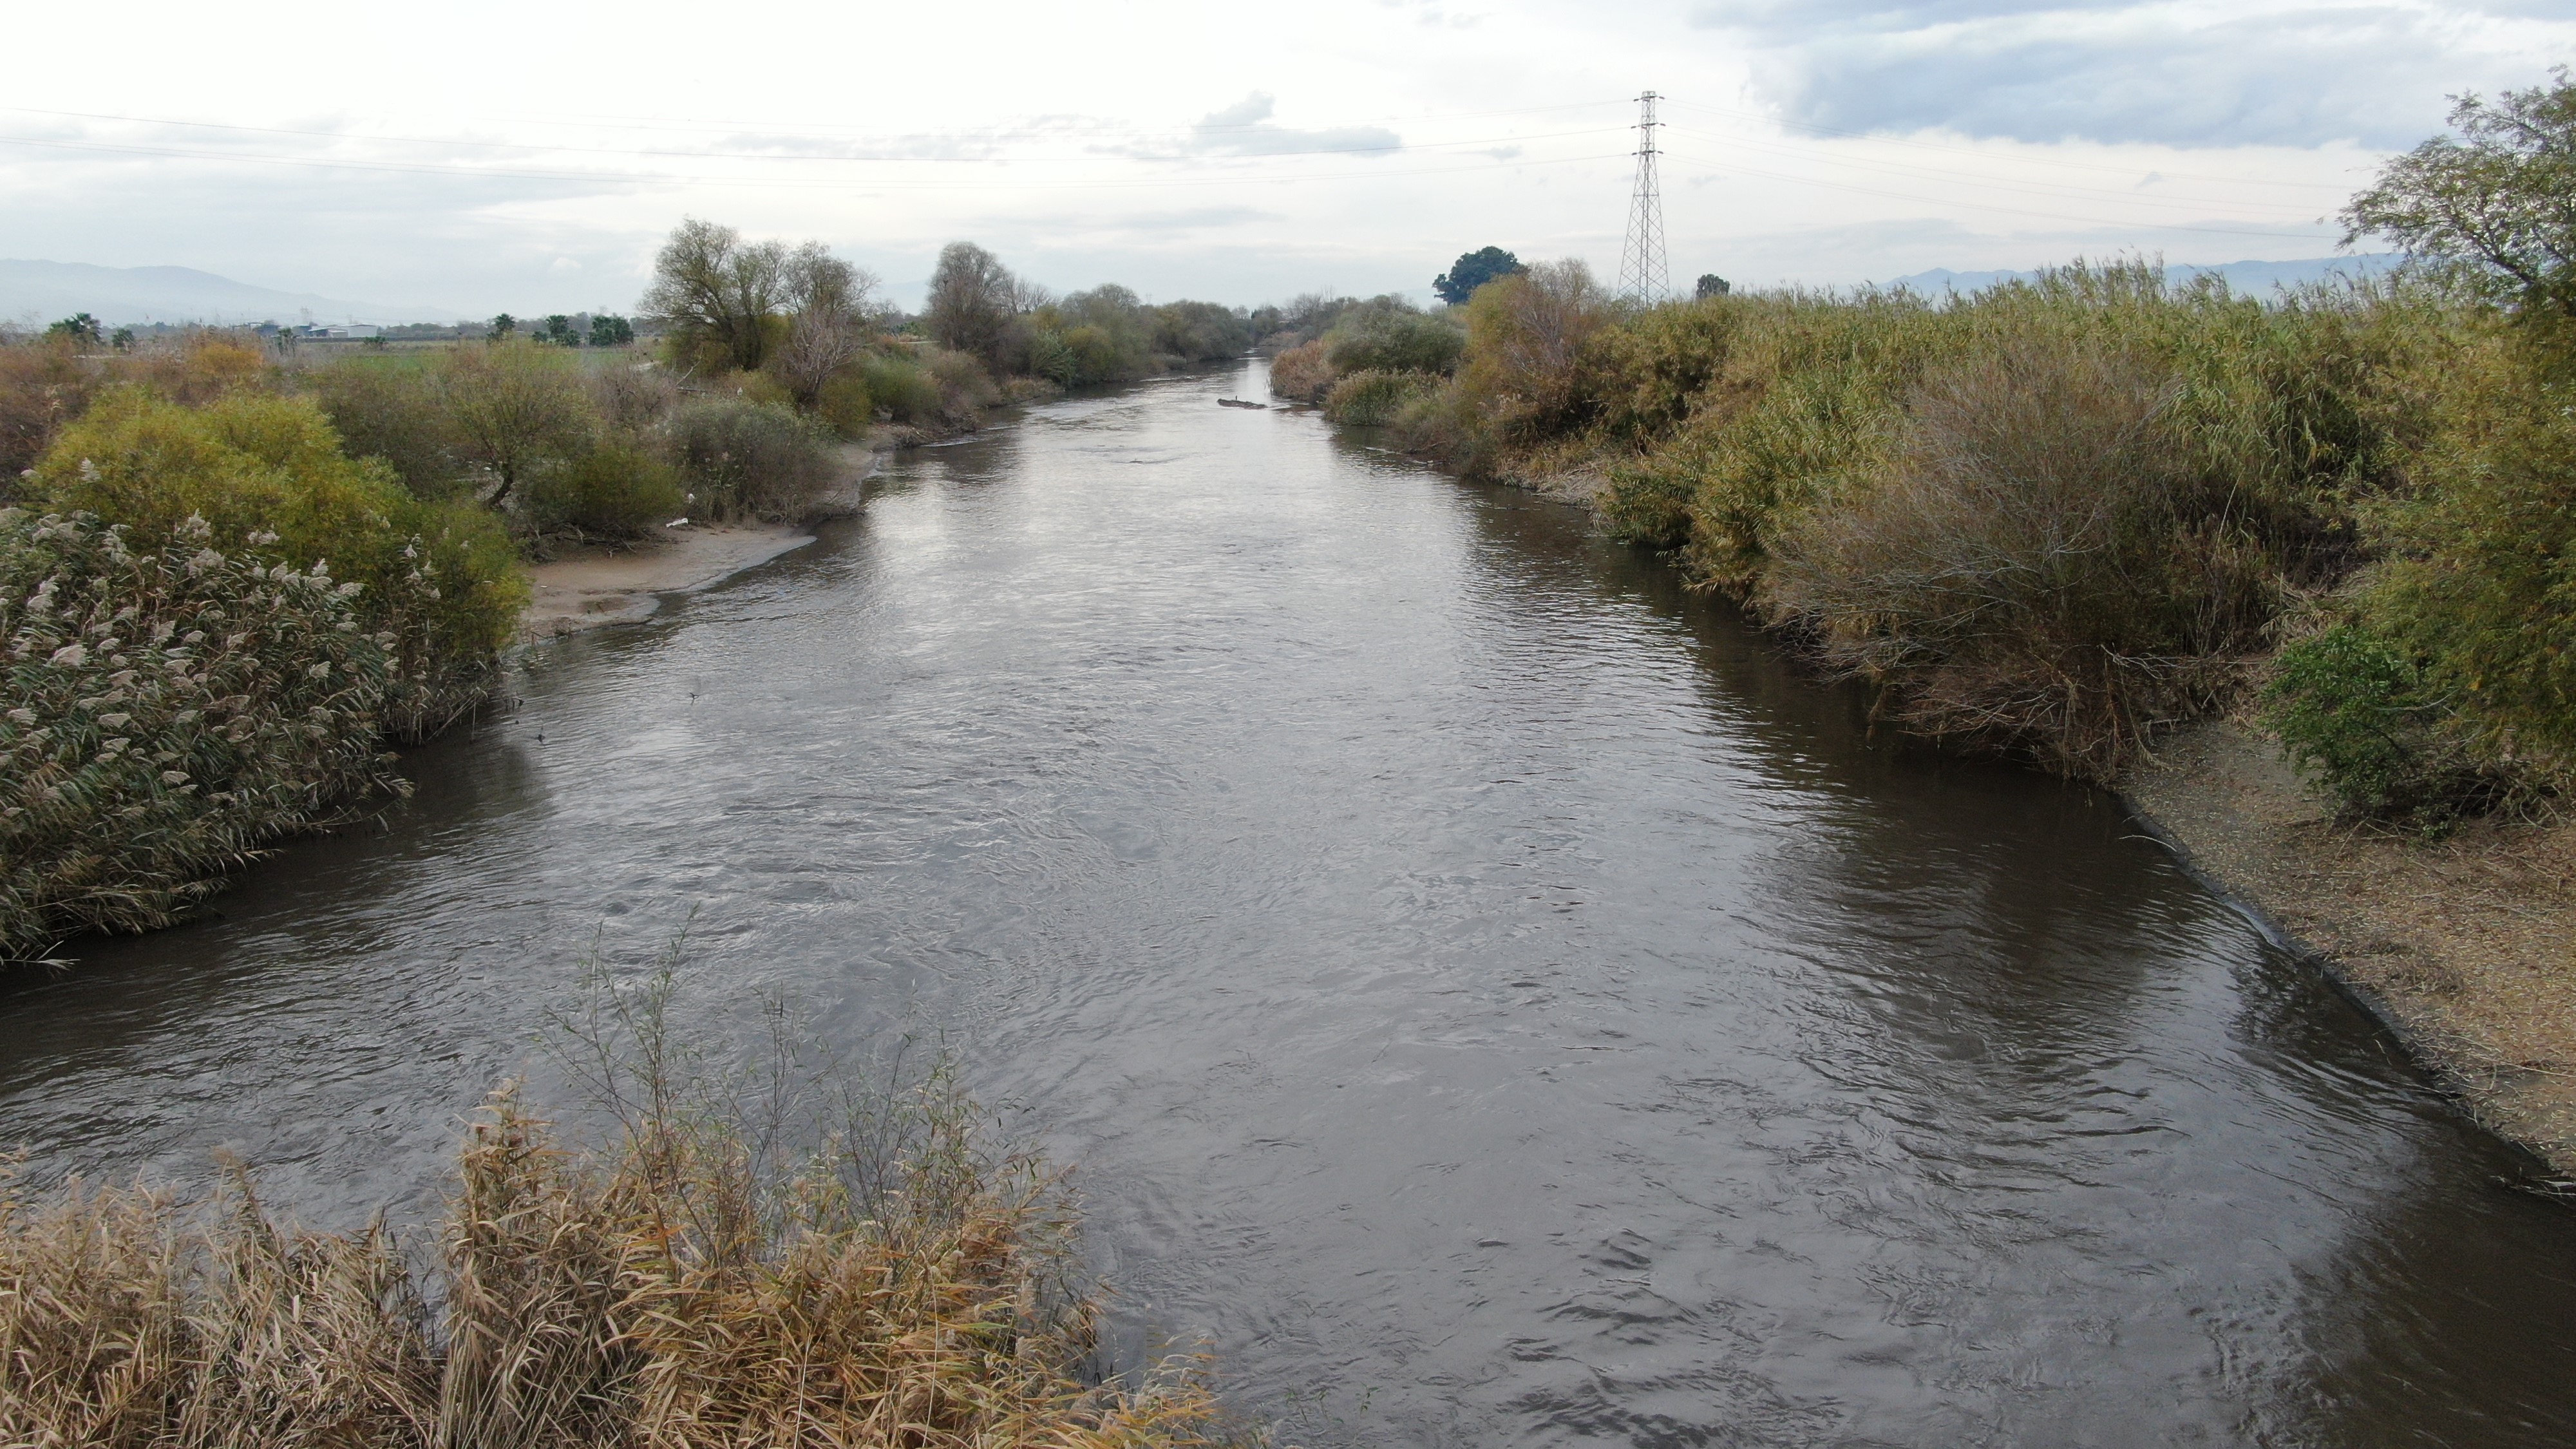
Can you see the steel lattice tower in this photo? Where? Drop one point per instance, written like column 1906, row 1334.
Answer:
column 1642, row 276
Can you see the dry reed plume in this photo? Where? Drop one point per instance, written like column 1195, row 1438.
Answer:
column 701, row 1285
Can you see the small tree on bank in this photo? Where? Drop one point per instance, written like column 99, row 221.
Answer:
column 513, row 404
column 973, row 298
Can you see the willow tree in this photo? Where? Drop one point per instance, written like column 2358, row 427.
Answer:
column 712, row 287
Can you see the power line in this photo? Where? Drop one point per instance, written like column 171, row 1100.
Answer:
column 707, row 155
column 654, row 177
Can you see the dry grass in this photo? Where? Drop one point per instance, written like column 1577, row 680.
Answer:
column 714, row 1280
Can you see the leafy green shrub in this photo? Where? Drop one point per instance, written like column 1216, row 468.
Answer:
column 2352, row 707
column 169, row 711
column 1200, row 331
column 905, row 389
column 1647, row 376
column 1373, row 399
column 616, row 490
column 1527, row 335
column 389, row 408
column 514, row 407
column 741, row 458
column 440, row 577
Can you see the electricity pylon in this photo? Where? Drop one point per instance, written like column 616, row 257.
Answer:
column 1642, row 277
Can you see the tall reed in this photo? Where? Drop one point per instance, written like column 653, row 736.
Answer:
column 711, row 1281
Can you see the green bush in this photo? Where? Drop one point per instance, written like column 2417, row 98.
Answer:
column 1373, row 399
column 1387, row 335
column 2483, row 587
column 905, row 389
column 2355, row 709
column 1200, row 331
column 745, row 459
column 440, row 576
column 169, row 711
column 615, row 490
column 846, row 407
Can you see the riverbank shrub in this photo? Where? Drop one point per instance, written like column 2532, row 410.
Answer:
column 2356, row 710
column 2482, row 583
column 1302, row 374
column 176, row 698
column 2039, row 569
column 440, row 577
column 47, row 383
column 615, row 490
column 691, row 1285
column 750, row 460
column 513, row 407
column 388, row 408
column 1388, row 334
column 1373, row 399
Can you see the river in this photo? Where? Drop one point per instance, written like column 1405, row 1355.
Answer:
column 1486, row 996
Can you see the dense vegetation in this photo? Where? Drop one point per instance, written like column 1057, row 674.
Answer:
column 2057, row 516
column 1104, row 335
column 171, row 704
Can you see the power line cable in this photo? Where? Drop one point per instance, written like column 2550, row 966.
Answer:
column 650, row 177
column 704, row 155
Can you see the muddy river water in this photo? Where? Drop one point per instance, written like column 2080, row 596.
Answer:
column 1487, row 997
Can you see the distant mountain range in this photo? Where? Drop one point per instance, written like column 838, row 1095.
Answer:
column 125, row 296
column 2258, row 278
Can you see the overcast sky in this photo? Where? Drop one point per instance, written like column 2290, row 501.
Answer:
column 476, row 156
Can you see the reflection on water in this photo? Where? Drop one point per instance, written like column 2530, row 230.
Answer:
column 1485, row 992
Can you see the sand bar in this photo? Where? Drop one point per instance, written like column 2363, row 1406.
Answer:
column 585, row 592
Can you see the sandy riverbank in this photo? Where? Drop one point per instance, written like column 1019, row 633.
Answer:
column 589, row 590
column 2462, row 945
column 592, row 588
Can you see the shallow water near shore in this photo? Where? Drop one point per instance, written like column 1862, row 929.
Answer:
column 1485, row 994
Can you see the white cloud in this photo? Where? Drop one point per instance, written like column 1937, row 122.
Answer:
column 2175, row 72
